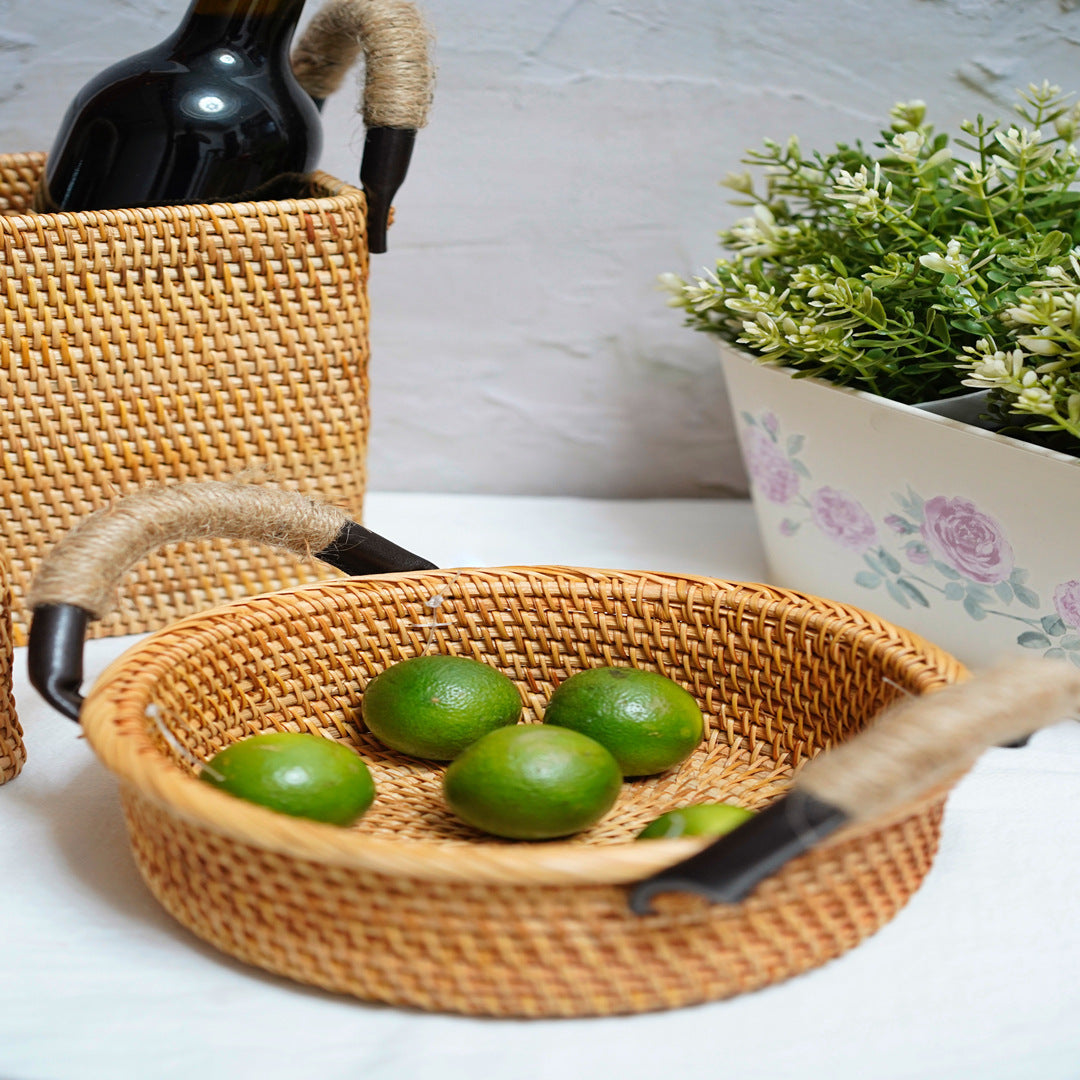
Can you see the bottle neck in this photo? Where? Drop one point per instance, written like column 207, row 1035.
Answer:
column 255, row 27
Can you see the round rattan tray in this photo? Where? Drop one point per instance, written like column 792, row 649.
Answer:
column 413, row 908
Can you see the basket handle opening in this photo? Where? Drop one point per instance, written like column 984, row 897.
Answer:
column 911, row 748
column 398, row 82
column 78, row 581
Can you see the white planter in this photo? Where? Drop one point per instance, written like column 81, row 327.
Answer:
column 966, row 537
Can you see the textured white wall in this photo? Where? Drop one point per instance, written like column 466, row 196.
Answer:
column 519, row 343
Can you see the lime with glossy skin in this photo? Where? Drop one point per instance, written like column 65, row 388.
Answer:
column 701, row 819
column 435, row 706
column 531, row 782
column 647, row 721
column 294, row 773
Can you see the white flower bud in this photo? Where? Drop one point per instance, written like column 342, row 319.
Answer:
column 1022, row 315
column 907, row 115
column 1035, row 399
column 907, row 144
column 1039, row 346
column 742, row 182
column 992, row 369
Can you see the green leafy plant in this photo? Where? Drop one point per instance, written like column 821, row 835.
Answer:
column 916, row 269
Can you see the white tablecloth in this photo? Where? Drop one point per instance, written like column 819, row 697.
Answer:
column 978, row 977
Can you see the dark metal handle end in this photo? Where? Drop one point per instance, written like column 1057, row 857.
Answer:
column 58, row 631
column 387, row 152
column 356, row 550
column 731, row 867
column 55, row 655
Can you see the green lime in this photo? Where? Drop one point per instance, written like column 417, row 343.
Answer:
column 530, row 782
column 435, row 706
column 701, row 819
column 303, row 775
column 647, row 721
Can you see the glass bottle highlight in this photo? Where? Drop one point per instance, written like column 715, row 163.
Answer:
column 213, row 113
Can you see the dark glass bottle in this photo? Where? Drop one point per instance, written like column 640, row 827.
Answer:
column 213, row 113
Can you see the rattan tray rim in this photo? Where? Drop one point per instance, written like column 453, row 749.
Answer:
column 132, row 756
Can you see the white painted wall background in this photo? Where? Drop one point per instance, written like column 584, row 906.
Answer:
column 519, row 343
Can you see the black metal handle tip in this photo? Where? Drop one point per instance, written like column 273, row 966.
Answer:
column 729, row 869
column 55, row 655
column 356, row 550
column 387, row 152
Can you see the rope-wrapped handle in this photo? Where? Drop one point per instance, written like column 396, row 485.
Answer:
column 398, row 81
column 78, row 580
column 914, row 746
column 396, row 44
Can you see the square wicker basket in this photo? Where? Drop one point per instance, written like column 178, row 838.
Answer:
column 165, row 344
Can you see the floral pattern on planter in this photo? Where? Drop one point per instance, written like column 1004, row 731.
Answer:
column 842, row 519
column 941, row 549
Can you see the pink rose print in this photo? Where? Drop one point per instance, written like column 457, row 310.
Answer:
column 773, row 474
column 967, row 539
column 770, row 423
column 842, row 519
column 1067, row 602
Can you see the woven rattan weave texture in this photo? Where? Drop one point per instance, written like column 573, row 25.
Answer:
column 178, row 343
column 12, row 750
column 413, row 908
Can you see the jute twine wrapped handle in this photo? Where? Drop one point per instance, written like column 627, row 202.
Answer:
column 397, row 90
column 396, row 45
column 86, row 567
column 79, row 579
column 922, row 742
column 914, row 747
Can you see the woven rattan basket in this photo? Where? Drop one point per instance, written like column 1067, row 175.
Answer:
column 177, row 343
column 12, row 750
column 413, row 908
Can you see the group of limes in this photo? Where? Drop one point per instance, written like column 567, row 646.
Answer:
column 513, row 780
